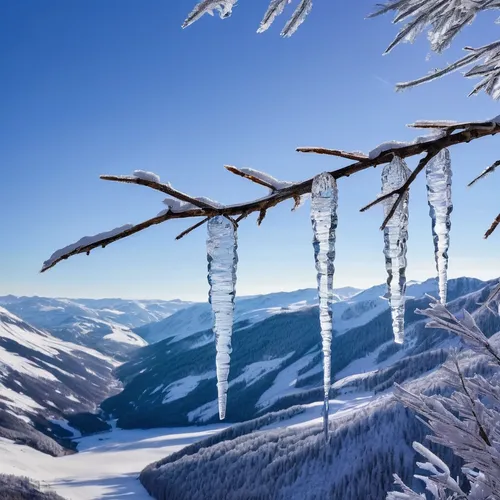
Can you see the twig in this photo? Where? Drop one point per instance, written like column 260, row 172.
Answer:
column 192, row 228
column 485, row 172
column 334, row 152
column 250, row 177
column 473, row 408
column 401, row 190
column 261, row 205
column 158, row 186
column 492, row 228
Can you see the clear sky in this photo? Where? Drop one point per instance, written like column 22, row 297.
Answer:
column 91, row 87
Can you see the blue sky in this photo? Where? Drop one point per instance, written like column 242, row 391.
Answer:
column 92, row 87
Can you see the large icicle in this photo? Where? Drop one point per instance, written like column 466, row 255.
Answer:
column 324, row 200
column 222, row 261
column 438, row 173
column 394, row 175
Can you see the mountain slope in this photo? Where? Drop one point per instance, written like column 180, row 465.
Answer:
column 102, row 324
column 250, row 310
column 275, row 362
column 43, row 380
column 370, row 439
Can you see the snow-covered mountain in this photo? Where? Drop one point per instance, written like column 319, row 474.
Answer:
column 276, row 361
column 102, row 324
column 44, row 380
column 248, row 310
column 370, row 434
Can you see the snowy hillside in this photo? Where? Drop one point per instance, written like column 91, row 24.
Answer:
column 276, row 362
column 370, row 439
column 250, row 310
column 44, row 380
column 102, row 324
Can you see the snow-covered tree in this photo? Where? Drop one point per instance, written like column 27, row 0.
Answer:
column 467, row 421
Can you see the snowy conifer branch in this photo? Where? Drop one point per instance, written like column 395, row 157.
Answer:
column 276, row 8
column 466, row 329
column 184, row 206
column 467, row 421
column 444, row 20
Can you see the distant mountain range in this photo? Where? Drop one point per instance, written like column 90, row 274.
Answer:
column 102, row 324
column 51, row 373
column 276, row 360
column 249, row 310
column 284, row 455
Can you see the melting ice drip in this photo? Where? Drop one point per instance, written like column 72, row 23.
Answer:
column 324, row 200
column 438, row 173
column 222, row 261
column 394, row 175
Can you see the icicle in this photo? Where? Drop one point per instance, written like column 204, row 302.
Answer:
column 438, row 173
column 324, row 199
column 394, row 175
column 222, row 260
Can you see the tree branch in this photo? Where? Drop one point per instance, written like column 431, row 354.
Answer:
column 482, row 433
column 492, row 228
column 334, row 152
column 485, row 172
column 192, row 228
column 158, row 186
column 250, row 177
column 471, row 131
column 402, row 190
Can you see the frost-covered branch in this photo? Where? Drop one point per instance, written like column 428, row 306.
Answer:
column 182, row 206
column 276, row 7
column 443, row 20
column 467, row 421
column 466, row 328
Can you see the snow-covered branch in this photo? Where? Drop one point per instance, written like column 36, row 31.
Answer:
column 182, row 206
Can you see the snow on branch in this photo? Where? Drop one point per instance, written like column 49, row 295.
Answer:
column 181, row 205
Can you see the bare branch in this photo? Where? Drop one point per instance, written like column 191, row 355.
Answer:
column 402, row 190
column 421, row 165
column 485, row 172
column 191, row 228
column 240, row 211
column 492, row 228
column 334, row 152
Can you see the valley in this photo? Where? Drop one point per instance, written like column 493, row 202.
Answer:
column 87, row 422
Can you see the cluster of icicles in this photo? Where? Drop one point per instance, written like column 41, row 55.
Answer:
column 223, row 258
